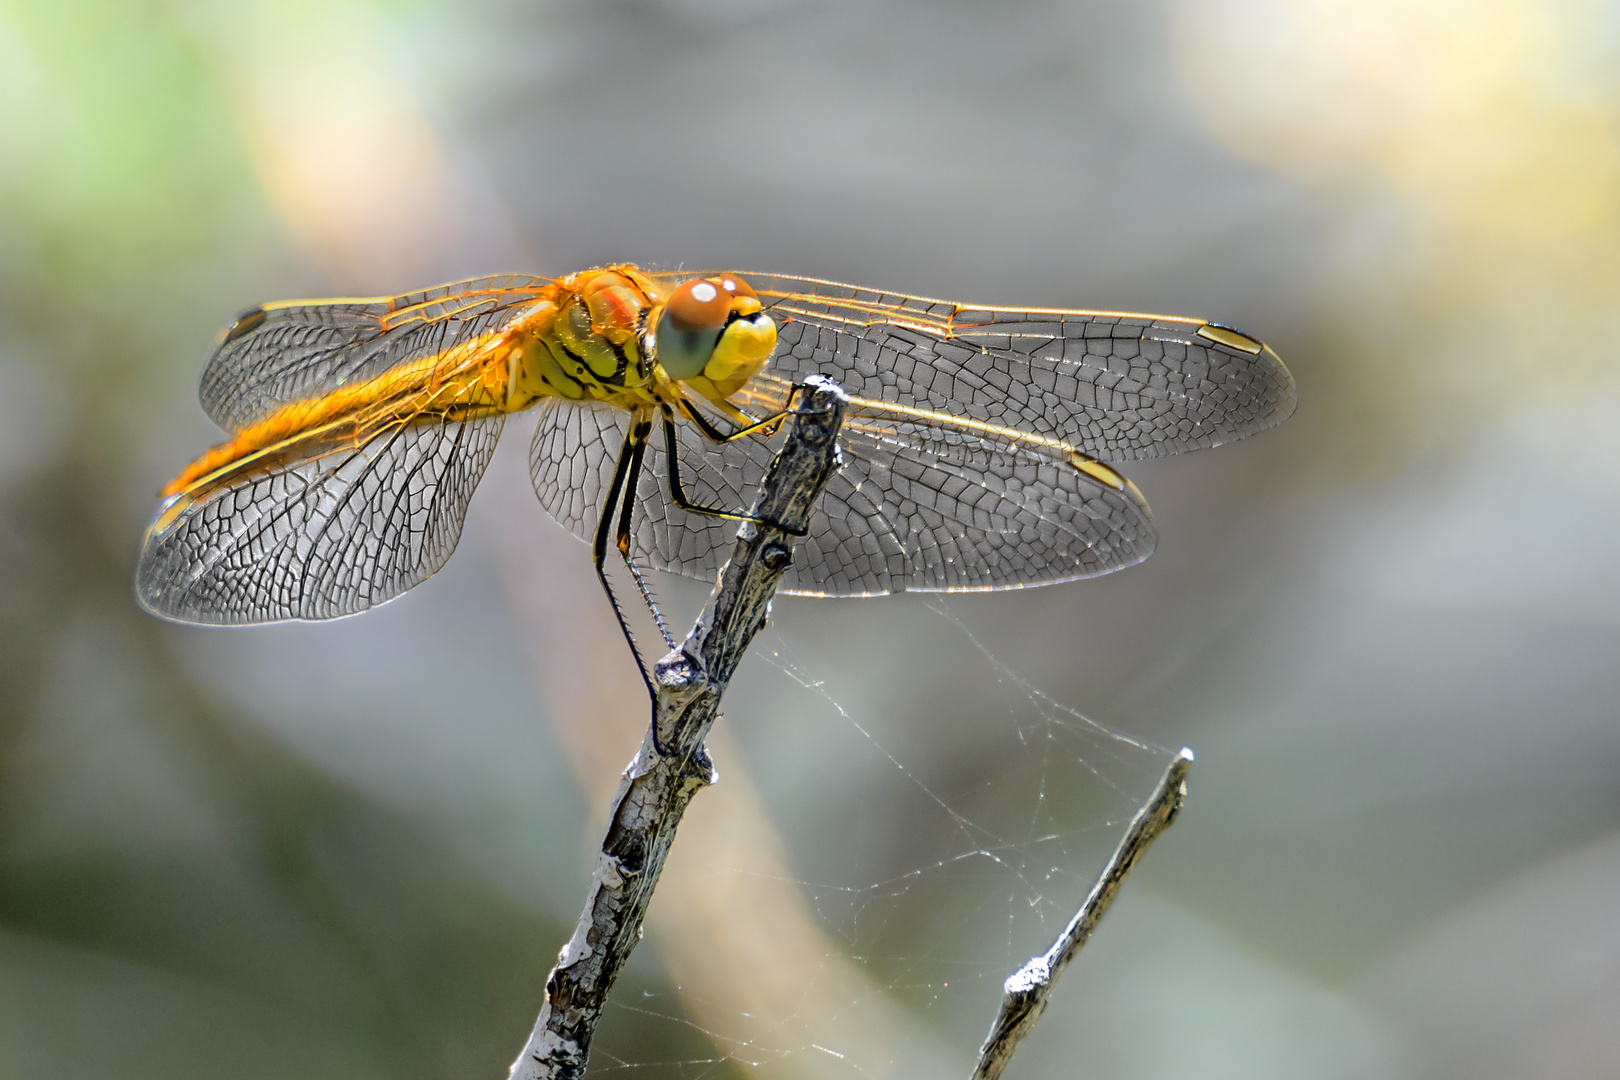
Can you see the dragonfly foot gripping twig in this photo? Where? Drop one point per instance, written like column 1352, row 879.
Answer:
column 656, row 787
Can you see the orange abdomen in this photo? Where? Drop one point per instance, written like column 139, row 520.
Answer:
column 468, row 380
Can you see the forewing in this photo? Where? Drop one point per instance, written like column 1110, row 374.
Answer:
column 290, row 351
column 1116, row 386
column 915, row 507
column 330, row 533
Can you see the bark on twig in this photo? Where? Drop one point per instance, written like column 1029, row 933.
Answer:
column 655, row 789
column 1028, row 989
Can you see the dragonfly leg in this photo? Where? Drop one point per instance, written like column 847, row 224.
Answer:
column 621, row 498
column 715, row 435
column 677, row 493
column 640, row 432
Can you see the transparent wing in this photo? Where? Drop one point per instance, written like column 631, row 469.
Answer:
column 572, row 457
column 290, row 351
column 1117, row 386
column 916, row 506
column 320, row 532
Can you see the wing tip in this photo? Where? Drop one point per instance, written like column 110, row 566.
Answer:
column 153, row 596
column 1290, row 386
column 160, row 593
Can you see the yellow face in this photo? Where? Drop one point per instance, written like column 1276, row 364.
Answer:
column 713, row 335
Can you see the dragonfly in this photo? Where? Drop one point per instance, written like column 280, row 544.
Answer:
column 978, row 450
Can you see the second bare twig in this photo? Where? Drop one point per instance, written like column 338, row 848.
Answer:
column 1028, row 989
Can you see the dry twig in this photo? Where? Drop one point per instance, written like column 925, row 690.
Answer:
column 1028, row 989
column 655, row 789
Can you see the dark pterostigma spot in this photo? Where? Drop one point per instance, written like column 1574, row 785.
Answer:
column 245, row 324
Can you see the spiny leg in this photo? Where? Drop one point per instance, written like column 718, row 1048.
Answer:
column 715, row 435
column 628, row 455
column 677, row 493
column 641, row 430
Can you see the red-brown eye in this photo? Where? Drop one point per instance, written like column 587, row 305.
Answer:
column 698, row 305
column 736, row 286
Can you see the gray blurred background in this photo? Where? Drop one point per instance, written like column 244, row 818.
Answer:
column 1388, row 628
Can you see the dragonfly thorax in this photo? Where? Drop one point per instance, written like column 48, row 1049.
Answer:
column 616, row 334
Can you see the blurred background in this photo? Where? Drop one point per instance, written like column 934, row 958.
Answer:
column 1388, row 629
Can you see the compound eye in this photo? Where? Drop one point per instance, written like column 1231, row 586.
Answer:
column 736, row 286
column 698, row 305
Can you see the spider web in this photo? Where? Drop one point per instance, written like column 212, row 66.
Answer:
column 934, row 862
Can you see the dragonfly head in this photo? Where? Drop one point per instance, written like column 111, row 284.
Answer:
column 713, row 330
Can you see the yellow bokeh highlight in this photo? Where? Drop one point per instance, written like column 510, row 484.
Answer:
column 339, row 137
column 1492, row 123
